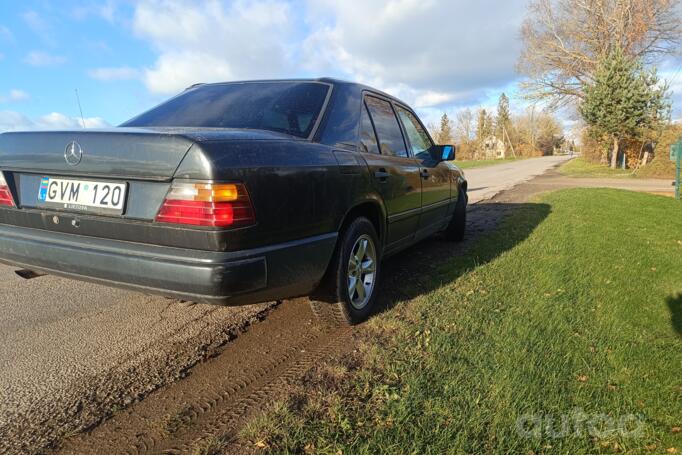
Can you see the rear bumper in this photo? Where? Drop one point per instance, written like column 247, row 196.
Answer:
column 229, row 278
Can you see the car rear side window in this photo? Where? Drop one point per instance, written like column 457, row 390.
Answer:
column 387, row 127
column 368, row 139
column 419, row 139
column 287, row 107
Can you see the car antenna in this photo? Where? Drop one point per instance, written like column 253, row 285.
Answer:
column 78, row 100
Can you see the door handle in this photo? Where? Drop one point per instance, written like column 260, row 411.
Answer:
column 381, row 175
column 424, row 173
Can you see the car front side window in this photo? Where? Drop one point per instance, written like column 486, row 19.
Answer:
column 420, row 142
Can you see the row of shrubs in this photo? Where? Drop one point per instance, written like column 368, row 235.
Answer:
column 658, row 145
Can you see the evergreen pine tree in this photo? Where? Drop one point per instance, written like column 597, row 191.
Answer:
column 444, row 135
column 503, row 121
column 624, row 100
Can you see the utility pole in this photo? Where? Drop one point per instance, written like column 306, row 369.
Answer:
column 532, row 127
column 504, row 131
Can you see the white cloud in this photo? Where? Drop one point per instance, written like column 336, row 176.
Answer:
column 212, row 41
column 114, row 73
column 106, row 10
column 14, row 95
column 430, row 52
column 17, row 95
column 38, row 58
column 15, row 121
column 673, row 76
column 675, row 81
column 6, row 34
column 39, row 26
column 56, row 120
column 175, row 71
column 443, row 50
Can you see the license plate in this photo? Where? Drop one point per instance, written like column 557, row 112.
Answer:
column 82, row 195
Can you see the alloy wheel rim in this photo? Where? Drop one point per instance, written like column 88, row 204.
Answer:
column 362, row 266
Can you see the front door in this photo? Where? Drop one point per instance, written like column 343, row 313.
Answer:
column 436, row 175
column 396, row 174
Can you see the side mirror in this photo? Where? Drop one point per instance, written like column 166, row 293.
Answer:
column 443, row 153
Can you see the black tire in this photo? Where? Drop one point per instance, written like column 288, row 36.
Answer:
column 457, row 227
column 333, row 304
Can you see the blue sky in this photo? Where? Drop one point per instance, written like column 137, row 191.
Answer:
column 125, row 56
column 49, row 50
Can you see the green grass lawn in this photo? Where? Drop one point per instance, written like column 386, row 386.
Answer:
column 560, row 332
column 579, row 167
column 469, row 164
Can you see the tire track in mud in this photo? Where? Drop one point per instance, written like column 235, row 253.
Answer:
column 221, row 393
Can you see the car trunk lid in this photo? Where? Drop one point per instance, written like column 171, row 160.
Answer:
column 126, row 153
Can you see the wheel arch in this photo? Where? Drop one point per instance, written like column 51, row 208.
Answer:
column 372, row 209
column 462, row 186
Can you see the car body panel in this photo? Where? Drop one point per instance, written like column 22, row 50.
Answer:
column 401, row 193
column 248, row 276
column 436, row 197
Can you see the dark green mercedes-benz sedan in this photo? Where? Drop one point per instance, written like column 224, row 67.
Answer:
column 234, row 193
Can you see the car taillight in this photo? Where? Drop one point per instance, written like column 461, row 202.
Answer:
column 207, row 204
column 6, row 198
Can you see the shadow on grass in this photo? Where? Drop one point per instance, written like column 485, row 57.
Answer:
column 675, row 306
column 422, row 268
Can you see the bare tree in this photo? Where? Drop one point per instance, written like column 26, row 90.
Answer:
column 564, row 40
column 537, row 131
column 464, row 129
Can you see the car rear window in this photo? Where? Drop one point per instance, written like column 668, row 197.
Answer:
column 368, row 139
column 386, row 124
column 288, row 107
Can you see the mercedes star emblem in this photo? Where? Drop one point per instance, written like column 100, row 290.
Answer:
column 73, row 153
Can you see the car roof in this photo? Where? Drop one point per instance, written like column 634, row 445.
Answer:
column 329, row 80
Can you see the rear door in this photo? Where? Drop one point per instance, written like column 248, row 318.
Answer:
column 435, row 174
column 395, row 172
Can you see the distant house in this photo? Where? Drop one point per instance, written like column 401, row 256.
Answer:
column 493, row 148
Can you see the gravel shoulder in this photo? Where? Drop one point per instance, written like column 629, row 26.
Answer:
column 72, row 353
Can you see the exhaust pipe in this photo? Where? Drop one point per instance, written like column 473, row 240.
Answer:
column 28, row 274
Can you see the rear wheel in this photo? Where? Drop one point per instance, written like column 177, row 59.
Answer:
column 348, row 292
column 457, row 227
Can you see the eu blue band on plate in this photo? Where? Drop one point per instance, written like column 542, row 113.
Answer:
column 42, row 195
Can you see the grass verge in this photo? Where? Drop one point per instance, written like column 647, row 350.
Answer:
column 561, row 331
column 660, row 168
column 469, row 164
column 579, row 167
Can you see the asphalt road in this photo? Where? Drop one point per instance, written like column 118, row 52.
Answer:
column 486, row 182
column 73, row 350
